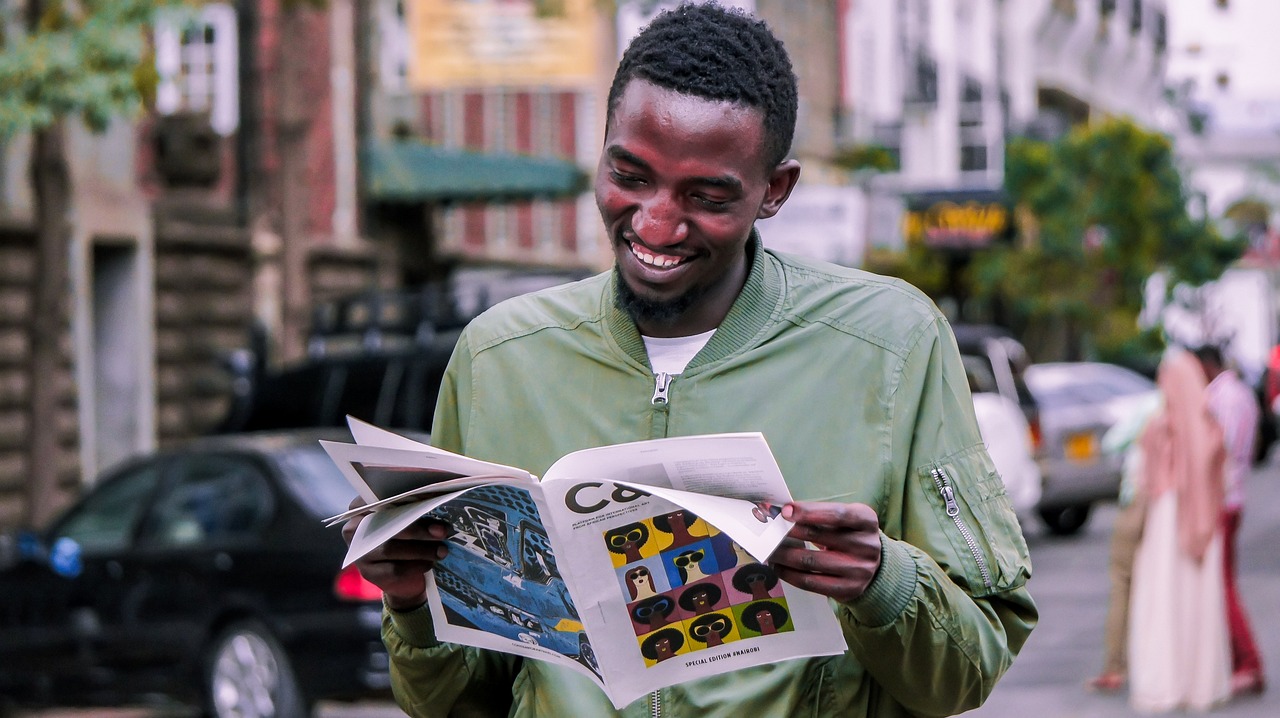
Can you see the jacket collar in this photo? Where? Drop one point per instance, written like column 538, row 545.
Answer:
column 760, row 299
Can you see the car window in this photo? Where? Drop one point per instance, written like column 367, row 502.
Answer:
column 978, row 371
column 105, row 519
column 315, row 480
column 212, row 499
column 1075, row 385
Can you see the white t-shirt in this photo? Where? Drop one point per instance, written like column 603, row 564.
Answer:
column 672, row 354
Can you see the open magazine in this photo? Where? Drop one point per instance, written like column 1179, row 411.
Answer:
column 638, row 565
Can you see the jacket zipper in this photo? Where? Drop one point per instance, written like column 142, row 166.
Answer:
column 953, row 510
column 656, row 704
column 661, row 382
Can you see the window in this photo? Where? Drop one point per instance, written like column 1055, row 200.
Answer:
column 973, row 137
column 214, row 499
column 196, row 59
column 393, row 46
column 106, row 519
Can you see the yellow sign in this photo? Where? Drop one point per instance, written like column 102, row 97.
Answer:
column 501, row 43
column 948, row 224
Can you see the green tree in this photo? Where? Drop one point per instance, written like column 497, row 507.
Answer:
column 1099, row 211
column 63, row 59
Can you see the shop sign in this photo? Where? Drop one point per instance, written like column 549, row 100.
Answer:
column 466, row 44
column 956, row 224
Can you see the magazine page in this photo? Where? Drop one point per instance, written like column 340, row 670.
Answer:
column 501, row 587
column 709, row 474
column 669, row 596
column 378, row 472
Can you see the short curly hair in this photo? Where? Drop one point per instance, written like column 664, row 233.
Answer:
column 717, row 53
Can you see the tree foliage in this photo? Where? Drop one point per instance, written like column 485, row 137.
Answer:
column 1099, row 211
column 66, row 58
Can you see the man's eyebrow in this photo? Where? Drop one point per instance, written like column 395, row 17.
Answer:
column 725, row 182
column 619, row 153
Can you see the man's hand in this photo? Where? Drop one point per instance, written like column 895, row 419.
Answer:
column 399, row 566
column 848, row 553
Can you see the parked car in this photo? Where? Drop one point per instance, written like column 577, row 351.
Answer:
column 1007, row 435
column 1007, row 414
column 1078, row 403
column 1068, row 406
column 203, row 575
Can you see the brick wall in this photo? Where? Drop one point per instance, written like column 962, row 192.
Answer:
column 17, row 266
column 204, row 310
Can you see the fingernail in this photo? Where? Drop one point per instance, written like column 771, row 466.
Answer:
column 437, row 530
column 442, row 551
column 788, row 511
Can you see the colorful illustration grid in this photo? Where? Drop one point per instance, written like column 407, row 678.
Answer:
column 689, row 587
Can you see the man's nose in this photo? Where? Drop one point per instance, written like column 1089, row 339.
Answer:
column 659, row 222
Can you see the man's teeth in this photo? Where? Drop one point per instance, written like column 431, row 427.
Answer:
column 654, row 260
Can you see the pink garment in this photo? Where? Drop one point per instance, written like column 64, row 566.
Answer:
column 1234, row 406
column 1183, row 450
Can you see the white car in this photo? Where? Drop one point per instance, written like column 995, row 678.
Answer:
column 1007, row 435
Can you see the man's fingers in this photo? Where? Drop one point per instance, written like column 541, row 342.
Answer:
column 400, row 549
column 833, row 515
column 837, row 587
column 832, row 563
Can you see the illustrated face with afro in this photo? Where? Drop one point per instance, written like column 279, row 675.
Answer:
column 627, row 540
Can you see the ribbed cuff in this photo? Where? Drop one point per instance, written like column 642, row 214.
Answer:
column 414, row 626
column 891, row 590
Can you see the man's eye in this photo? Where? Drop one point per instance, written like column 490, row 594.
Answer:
column 711, row 203
column 625, row 179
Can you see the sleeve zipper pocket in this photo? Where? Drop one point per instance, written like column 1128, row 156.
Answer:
column 953, row 510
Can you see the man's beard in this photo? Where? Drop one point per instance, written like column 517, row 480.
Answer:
column 653, row 311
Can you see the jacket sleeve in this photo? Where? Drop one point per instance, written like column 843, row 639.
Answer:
column 430, row 678
column 948, row 609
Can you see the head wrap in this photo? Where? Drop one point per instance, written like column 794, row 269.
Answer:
column 1183, row 451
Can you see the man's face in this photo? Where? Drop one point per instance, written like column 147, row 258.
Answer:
column 681, row 181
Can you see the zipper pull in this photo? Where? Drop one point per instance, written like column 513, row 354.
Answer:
column 661, row 383
column 948, row 493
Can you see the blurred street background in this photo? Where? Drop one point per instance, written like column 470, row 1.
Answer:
column 219, row 219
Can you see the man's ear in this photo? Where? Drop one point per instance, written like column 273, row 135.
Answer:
column 781, row 181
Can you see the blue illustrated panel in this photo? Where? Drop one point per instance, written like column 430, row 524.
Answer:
column 501, row 575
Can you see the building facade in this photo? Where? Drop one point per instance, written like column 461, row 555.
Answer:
column 941, row 84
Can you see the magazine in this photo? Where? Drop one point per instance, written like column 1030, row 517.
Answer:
column 638, row 565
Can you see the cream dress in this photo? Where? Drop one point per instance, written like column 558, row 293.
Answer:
column 1179, row 647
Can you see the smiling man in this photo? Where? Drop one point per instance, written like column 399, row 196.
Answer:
column 854, row 379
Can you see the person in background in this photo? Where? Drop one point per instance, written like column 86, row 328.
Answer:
column 1179, row 650
column 1234, row 406
column 855, row 380
column 1122, row 439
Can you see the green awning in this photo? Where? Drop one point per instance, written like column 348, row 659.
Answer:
column 412, row 171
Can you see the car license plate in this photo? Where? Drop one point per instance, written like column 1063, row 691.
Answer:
column 1081, row 447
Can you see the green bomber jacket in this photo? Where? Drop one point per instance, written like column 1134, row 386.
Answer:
column 857, row 384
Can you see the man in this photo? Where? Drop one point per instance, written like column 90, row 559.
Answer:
column 854, row 379
column 1234, row 406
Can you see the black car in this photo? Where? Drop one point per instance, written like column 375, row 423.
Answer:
column 202, row 575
